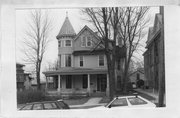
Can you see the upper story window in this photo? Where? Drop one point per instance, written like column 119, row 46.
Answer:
column 68, row 43
column 101, row 60
column 59, row 43
column 83, row 42
column 68, row 60
column 86, row 41
column 81, row 61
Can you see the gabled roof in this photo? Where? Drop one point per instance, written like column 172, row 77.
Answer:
column 86, row 28
column 66, row 29
column 153, row 31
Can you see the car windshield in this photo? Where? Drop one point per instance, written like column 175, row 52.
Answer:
column 118, row 102
column 136, row 101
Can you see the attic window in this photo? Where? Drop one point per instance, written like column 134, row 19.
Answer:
column 83, row 42
column 88, row 42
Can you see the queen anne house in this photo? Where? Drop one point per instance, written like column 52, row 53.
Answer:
column 82, row 67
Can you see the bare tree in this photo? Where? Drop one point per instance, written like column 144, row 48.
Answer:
column 132, row 23
column 113, row 24
column 37, row 39
column 106, row 21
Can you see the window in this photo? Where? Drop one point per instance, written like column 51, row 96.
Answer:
column 68, row 43
column 68, row 81
column 59, row 61
column 101, row 60
column 81, row 61
column 83, row 42
column 88, row 42
column 63, row 105
column 50, row 106
column 85, row 81
column 136, row 101
column 68, row 60
column 59, row 43
column 37, row 107
column 28, row 107
column 119, row 102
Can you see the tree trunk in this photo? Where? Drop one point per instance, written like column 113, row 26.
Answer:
column 111, row 72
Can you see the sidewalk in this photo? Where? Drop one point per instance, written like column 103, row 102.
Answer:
column 91, row 102
column 149, row 92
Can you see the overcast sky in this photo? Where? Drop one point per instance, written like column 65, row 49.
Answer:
column 58, row 16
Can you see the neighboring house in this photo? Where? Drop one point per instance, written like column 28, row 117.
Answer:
column 22, row 79
column 154, row 55
column 137, row 75
column 82, row 67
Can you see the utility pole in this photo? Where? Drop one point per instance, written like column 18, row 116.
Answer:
column 161, row 98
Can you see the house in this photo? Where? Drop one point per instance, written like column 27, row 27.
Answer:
column 22, row 79
column 154, row 54
column 137, row 75
column 82, row 67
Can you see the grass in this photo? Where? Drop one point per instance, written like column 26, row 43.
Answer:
column 77, row 101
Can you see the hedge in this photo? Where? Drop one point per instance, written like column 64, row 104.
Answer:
column 28, row 96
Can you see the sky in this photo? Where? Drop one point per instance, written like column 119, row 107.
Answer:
column 58, row 16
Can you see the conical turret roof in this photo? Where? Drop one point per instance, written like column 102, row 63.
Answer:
column 66, row 29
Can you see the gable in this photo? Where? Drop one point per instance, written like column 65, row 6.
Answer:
column 86, row 33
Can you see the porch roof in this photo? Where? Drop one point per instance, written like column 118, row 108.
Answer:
column 75, row 71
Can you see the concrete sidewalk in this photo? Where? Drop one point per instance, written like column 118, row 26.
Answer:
column 149, row 92
column 91, row 102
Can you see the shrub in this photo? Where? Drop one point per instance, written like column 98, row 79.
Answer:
column 28, row 96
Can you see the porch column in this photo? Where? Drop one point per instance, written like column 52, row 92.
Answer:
column 46, row 84
column 107, row 88
column 89, row 89
column 59, row 83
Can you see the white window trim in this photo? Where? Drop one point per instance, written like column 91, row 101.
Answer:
column 65, row 60
column 65, row 43
column 87, row 41
column 80, row 60
column 98, row 61
column 82, row 41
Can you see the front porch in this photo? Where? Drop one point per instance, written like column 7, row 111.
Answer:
column 95, row 83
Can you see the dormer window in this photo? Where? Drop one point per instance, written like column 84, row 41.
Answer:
column 68, row 43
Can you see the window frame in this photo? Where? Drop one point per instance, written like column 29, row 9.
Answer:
column 87, row 40
column 101, row 60
column 83, row 41
column 65, row 44
column 66, row 62
column 81, row 61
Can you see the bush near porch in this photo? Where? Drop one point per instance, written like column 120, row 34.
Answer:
column 28, row 96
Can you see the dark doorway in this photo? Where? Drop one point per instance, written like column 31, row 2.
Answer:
column 101, row 82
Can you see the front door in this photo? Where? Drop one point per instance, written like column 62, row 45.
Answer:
column 101, row 83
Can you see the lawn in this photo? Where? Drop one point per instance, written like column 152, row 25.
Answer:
column 78, row 101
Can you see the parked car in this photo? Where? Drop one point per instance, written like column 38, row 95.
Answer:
column 46, row 105
column 127, row 102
